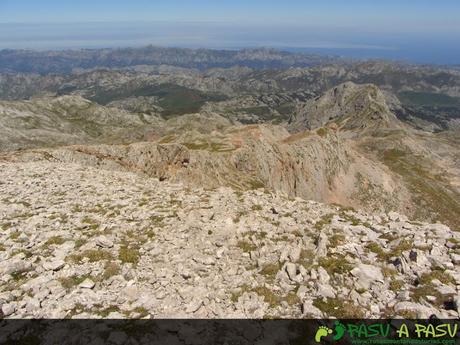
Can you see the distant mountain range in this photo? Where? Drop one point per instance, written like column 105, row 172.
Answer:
column 67, row 61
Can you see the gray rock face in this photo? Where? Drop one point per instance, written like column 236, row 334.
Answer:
column 367, row 274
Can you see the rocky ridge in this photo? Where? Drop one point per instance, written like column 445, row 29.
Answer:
column 82, row 242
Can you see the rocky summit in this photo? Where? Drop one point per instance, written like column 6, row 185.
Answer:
column 82, row 242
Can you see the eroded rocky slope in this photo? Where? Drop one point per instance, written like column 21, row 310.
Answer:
column 78, row 241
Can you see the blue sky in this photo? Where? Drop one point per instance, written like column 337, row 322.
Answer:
column 388, row 15
column 410, row 27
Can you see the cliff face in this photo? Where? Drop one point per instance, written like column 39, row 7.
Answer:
column 352, row 106
column 354, row 152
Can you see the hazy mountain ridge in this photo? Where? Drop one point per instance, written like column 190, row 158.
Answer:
column 69, row 60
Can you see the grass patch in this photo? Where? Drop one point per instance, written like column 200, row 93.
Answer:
column 14, row 235
column 27, row 253
column 306, row 258
column 389, row 272
column 256, row 208
column 443, row 277
column 141, row 311
column 325, row 220
column 238, row 216
column 111, row 269
column 246, row 246
column 270, row 270
column 322, row 132
column 335, row 264
column 72, row 281
column 376, row 248
column 129, row 254
column 55, row 240
column 104, row 312
column 339, row 308
column 396, row 285
column 93, row 224
column 93, row 255
column 336, row 240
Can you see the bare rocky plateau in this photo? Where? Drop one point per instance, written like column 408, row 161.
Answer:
column 82, row 242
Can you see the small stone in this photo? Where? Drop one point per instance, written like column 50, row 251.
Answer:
column 104, row 242
column 323, row 276
column 446, row 290
column 54, row 265
column 301, row 291
column 430, row 298
column 294, row 255
column 8, row 309
column 393, row 216
column 325, row 290
column 367, row 274
column 455, row 258
column 32, row 305
column 308, row 309
column 375, row 310
column 291, row 270
column 193, row 306
column 87, row 284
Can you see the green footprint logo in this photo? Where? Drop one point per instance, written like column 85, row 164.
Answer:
column 339, row 330
column 322, row 331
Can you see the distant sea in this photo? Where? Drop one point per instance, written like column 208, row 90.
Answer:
column 425, row 48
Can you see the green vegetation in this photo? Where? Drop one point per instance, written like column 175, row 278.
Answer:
column 255, row 184
column 434, row 196
column 336, row 240
column 335, row 264
column 27, row 253
column 104, row 312
column 246, row 246
column 129, row 254
column 438, row 274
column 322, row 132
column 261, row 111
column 339, row 308
column 93, row 255
column 306, row 258
column 397, row 250
column 93, row 224
column 111, row 269
column 325, row 220
column 14, row 235
column 256, row 208
column 208, row 146
column 174, row 99
column 72, row 281
column 396, row 285
column 238, row 216
column 270, row 270
column 273, row 299
column 427, row 99
column 55, row 240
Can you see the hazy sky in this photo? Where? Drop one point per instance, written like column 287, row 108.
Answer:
column 404, row 29
column 388, row 15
